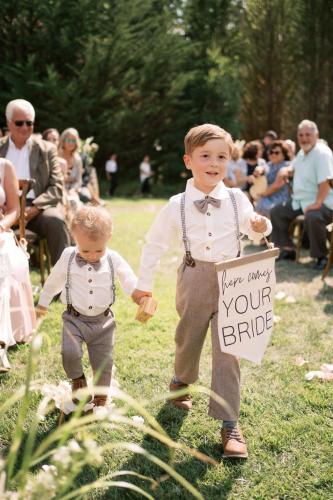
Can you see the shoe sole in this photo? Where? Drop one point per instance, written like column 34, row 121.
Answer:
column 180, row 406
column 235, row 456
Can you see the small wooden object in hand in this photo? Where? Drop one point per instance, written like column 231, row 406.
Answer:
column 146, row 309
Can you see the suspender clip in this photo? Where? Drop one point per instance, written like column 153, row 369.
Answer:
column 189, row 261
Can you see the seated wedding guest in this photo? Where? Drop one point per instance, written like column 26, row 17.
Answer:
column 52, row 135
column 278, row 189
column 37, row 159
column 311, row 197
column 17, row 316
column 236, row 163
column 291, row 146
column 244, row 175
column 261, row 151
column 269, row 137
column 68, row 150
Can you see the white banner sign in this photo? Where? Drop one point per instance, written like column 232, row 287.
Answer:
column 247, row 290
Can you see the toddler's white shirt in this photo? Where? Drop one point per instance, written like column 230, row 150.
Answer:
column 90, row 289
column 212, row 235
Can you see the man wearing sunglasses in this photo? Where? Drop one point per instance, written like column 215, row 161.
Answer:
column 311, row 196
column 36, row 159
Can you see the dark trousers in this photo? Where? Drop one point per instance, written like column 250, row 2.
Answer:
column 51, row 225
column 145, row 186
column 315, row 227
column 113, row 183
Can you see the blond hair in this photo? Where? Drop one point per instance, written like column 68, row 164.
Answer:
column 198, row 136
column 95, row 222
column 64, row 134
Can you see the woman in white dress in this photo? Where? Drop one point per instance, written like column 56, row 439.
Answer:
column 17, row 315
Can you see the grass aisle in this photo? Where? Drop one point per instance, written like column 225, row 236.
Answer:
column 287, row 421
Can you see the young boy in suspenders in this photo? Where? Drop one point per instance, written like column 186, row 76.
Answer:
column 208, row 219
column 85, row 277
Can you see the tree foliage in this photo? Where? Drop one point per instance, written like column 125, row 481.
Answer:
column 137, row 74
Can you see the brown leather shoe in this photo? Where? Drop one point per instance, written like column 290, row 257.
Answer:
column 234, row 445
column 184, row 402
column 99, row 400
column 78, row 383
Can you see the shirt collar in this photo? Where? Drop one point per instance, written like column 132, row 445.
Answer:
column 219, row 192
column 102, row 259
column 12, row 144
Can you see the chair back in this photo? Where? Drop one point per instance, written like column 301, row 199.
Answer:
column 24, row 186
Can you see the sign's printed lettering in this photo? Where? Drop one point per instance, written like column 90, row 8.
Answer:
column 246, row 308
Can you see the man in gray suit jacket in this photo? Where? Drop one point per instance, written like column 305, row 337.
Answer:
column 37, row 159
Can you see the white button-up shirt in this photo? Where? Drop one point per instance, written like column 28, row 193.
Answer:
column 212, row 235
column 20, row 159
column 90, row 289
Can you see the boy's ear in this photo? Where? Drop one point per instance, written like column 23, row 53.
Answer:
column 187, row 161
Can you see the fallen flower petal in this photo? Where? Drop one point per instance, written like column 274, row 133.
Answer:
column 326, row 367
column 320, row 375
column 299, row 361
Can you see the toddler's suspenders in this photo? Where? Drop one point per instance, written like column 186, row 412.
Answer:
column 189, row 261
column 67, row 285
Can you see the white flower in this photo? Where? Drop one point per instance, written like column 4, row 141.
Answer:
column 61, row 394
column 101, row 412
column 94, row 455
column 137, row 419
column 280, row 295
column 276, row 318
column 74, row 446
column 62, row 456
column 50, row 468
column 42, row 485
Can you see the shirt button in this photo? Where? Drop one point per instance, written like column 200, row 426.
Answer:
column 89, row 268
column 208, row 213
column 89, row 281
column 209, row 234
column 90, row 307
column 207, row 248
column 91, row 292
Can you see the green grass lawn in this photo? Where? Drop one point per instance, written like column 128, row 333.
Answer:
column 288, row 422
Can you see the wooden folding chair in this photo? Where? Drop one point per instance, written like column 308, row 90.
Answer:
column 296, row 230
column 32, row 238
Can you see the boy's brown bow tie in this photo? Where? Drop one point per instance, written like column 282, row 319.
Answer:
column 202, row 205
column 81, row 262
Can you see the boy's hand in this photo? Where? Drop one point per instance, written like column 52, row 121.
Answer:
column 41, row 311
column 258, row 224
column 137, row 295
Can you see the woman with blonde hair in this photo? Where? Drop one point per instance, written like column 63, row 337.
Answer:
column 68, row 150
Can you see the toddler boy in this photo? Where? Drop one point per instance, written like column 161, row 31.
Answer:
column 85, row 276
column 207, row 219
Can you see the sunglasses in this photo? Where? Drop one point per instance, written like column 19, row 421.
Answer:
column 275, row 152
column 20, row 123
column 69, row 140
